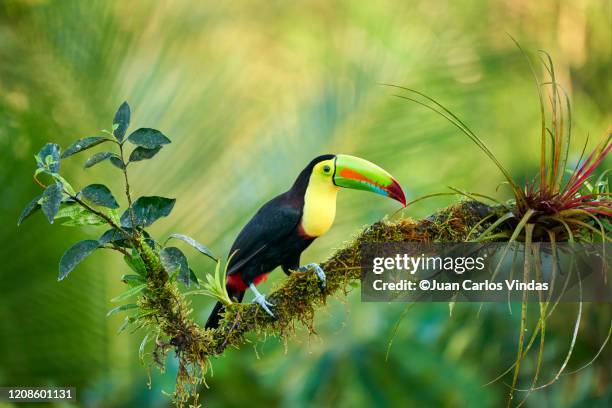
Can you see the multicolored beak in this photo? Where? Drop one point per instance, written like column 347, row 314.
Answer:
column 359, row 174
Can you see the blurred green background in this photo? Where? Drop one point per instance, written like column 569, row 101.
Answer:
column 249, row 94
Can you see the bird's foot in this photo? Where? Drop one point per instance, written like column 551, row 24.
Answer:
column 261, row 300
column 318, row 270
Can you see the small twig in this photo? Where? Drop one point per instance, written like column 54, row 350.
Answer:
column 127, row 188
column 119, row 249
column 235, row 324
column 39, row 182
column 100, row 214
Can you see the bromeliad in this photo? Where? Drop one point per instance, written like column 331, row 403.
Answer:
column 286, row 225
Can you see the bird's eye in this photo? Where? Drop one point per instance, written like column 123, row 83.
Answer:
column 326, row 168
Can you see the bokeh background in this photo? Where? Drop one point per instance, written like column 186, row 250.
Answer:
column 249, row 92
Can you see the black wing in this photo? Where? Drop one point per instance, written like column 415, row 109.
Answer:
column 272, row 223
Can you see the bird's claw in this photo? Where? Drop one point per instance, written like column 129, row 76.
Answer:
column 318, row 270
column 261, row 300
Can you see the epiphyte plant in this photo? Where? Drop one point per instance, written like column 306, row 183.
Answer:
column 558, row 205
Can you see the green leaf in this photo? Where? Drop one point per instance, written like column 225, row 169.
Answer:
column 99, row 157
column 121, row 239
column 51, row 200
column 128, row 320
column 85, row 218
column 113, row 236
column 142, row 153
column 147, row 210
column 99, row 194
column 129, row 293
column 148, row 138
column 83, row 144
column 173, row 258
column 77, row 215
column 136, row 263
column 68, row 210
column 133, row 280
column 214, row 285
column 65, row 183
column 49, row 157
column 116, row 161
column 113, row 215
column 121, row 308
column 201, row 248
column 75, row 255
column 194, row 278
column 39, row 169
column 29, row 209
column 121, row 121
column 141, row 349
column 118, row 238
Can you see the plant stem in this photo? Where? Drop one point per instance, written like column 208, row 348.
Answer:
column 118, row 249
column 127, row 190
column 526, row 270
column 100, row 214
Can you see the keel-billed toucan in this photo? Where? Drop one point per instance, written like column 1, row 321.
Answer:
column 286, row 225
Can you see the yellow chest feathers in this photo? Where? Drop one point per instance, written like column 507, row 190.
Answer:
column 319, row 206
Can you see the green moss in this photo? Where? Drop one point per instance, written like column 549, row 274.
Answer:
column 165, row 311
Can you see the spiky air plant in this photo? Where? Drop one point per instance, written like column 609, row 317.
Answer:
column 552, row 202
column 558, row 205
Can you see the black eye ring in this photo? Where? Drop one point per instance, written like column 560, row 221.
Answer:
column 326, row 168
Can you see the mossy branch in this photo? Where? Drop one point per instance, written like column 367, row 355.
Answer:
column 167, row 311
column 300, row 295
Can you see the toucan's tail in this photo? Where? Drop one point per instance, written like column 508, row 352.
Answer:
column 215, row 316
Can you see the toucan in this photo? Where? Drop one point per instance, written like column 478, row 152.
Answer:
column 286, row 225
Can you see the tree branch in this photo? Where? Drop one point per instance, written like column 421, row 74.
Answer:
column 297, row 298
column 165, row 311
column 100, row 214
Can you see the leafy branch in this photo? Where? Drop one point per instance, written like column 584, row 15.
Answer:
column 157, row 270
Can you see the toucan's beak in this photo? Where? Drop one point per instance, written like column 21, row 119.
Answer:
column 359, row 174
